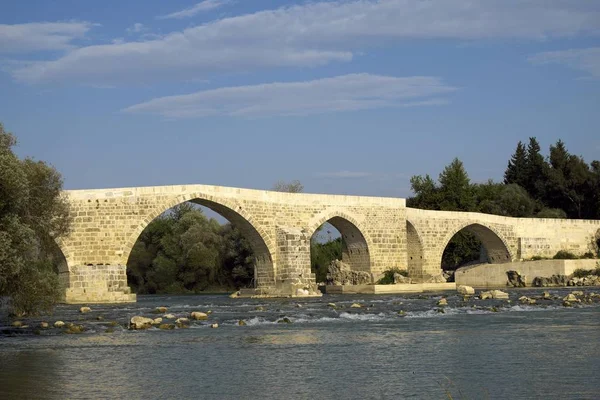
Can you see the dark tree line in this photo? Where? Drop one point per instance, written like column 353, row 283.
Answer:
column 561, row 185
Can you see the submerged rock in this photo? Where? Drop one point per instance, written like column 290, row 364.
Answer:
column 166, row 327
column 169, row 316
column 284, row 320
column 161, row 309
column 156, row 321
column 17, row 324
column 241, row 322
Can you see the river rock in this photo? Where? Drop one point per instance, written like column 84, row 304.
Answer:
column 340, row 273
column 527, row 300
column 182, row 321
column 485, row 295
column 442, row 302
column 577, row 293
column 17, row 324
column 546, row 295
column 401, row 279
column 332, row 305
column 59, row 324
column 465, row 290
column 139, row 322
column 169, row 316
column 44, row 325
column 215, row 325
column 157, row 321
column 166, row 326
column 570, row 298
column 84, row 310
column 161, row 309
column 302, row 292
column 241, row 322
column 437, row 279
column 554, row 280
column 198, row 316
column 515, row 279
column 355, row 305
column 499, row 295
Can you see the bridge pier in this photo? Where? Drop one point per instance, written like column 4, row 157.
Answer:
column 100, row 283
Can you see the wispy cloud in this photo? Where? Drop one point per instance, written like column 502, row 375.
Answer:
column 203, row 6
column 40, row 36
column 313, row 34
column 341, row 93
column 136, row 28
column 344, row 174
column 587, row 60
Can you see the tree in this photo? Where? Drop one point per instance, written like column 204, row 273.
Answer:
column 33, row 215
column 536, row 171
column 292, row 187
column 456, row 192
column 516, row 172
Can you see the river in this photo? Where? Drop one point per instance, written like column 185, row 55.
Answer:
column 393, row 347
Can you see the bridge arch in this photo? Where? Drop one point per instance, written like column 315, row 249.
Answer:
column 414, row 250
column 356, row 244
column 260, row 241
column 497, row 249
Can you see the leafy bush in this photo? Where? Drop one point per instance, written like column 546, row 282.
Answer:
column 580, row 272
column 564, row 255
column 388, row 276
column 588, row 255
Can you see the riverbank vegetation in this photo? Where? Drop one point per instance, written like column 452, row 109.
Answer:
column 561, row 185
column 33, row 215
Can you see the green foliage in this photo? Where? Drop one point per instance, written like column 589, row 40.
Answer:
column 321, row 255
column 462, row 249
column 32, row 216
column 182, row 251
column 388, row 276
column 564, row 255
column 581, row 273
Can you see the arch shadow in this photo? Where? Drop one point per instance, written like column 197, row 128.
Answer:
column 260, row 241
column 496, row 247
column 355, row 249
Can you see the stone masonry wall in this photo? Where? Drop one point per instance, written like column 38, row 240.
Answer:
column 380, row 233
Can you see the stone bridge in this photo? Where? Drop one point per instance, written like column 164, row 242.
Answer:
column 379, row 234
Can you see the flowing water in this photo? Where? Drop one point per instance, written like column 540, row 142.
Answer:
column 393, row 347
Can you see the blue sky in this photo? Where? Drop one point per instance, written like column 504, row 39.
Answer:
column 348, row 96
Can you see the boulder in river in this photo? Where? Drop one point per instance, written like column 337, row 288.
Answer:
column 571, row 298
column 157, row 321
column 215, row 325
column 59, row 324
column 465, row 290
column 84, row 310
column 169, row 316
column 401, row 279
column 515, row 279
column 44, row 325
column 442, row 302
column 355, row 305
column 441, row 278
column 139, row 322
column 160, row 310
column 198, row 316
column 340, row 273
